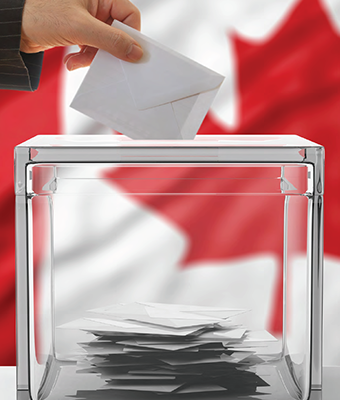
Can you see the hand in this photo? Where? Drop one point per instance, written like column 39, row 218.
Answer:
column 51, row 23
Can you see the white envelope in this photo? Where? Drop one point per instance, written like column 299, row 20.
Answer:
column 163, row 96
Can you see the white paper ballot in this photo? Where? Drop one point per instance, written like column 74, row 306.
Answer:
column 137, row 351
column 172, row 316
column 106, row 326
column 163, row 96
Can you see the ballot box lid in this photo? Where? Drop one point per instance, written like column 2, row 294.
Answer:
column 203, row 149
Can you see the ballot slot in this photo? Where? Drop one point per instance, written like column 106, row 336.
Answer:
column 163, row 279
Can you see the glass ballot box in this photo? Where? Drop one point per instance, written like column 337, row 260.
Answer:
column 169, row 269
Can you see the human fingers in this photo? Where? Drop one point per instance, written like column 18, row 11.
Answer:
column 80, row 59
column 97, row 34
column 122, row 10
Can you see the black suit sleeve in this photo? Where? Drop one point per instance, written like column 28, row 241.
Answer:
column 18, row 70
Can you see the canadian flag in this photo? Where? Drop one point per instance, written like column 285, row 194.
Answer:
column 281, row 60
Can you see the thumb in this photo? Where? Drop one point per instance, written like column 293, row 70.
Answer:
column 97, row 34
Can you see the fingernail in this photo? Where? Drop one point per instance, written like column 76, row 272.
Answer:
column 68, row 58
column 74, row 67
column 134, row 53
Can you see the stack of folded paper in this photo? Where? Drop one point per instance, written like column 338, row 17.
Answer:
column 171, row 349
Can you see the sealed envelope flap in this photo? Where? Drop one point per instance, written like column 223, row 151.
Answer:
column 152, row 81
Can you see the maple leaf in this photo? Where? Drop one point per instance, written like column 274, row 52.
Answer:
column 291, row 84
column 287, row 84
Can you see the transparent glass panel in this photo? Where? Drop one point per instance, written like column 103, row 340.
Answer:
column 169, row 279
column 41, row 334
column 298, row 293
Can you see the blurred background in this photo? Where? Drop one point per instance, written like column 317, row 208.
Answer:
column 281, row 59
